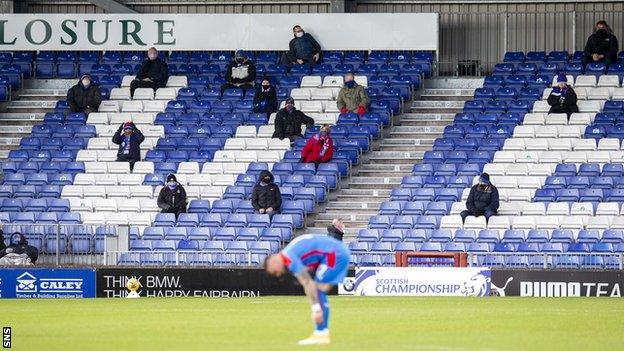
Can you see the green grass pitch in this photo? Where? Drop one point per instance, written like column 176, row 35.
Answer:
column 276, row 323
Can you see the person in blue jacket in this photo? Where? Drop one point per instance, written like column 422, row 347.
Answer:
column 129, row 139
column 265, row 99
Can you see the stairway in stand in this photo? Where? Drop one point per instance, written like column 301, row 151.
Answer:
column 393, row 157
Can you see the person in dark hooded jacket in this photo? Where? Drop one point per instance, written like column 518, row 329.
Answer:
column 562, row 98
column 240, row 73
column 153, row 73
column 129, row 143
column 302, row 49
column 265, row 98
column 172, row 197
column 602, row 45
column 19, row 246
column 482, row 199
column 84, row 96
column 288, row 122
column 266, row 196
column 336, row 229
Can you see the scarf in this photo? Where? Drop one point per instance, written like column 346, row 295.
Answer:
column 324, row 140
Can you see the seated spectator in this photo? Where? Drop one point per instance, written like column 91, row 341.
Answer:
column 129, row 143
column 319, row 148
column 336, row 229
column 482, row 199
column 288, row 122
column 18, row 253
column 562, row 98
column 602, row 45
column 241, row 73
column 265, row 99
column 352, row 97
column 302, row 49
column 84, row 96
column 266, row 196
column 153, row 73
column 172, row 197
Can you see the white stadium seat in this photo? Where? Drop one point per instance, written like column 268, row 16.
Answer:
column 311, row 82
column 143, row 94
column 120, row 94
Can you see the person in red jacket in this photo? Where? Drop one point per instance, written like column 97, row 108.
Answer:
column 319, row 148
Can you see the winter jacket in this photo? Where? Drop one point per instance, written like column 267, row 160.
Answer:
column 135, row 141
column 175, row 198
column 240, row 73
column 79, row 97
column 265, row 101
column 156, row 70
column 481, row 199
column 304, row 47
column 2, row 244
column 311, row 152
column 265, row 196
column 19, row 246
column 563, row 101
column 602, row 42
column 288, row 124
column 352, row 98
column 334, row 232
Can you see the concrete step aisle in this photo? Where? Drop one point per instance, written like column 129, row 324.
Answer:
column 393, row 157
column 27, row 108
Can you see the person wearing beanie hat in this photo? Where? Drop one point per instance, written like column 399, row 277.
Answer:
column 483, row 199
column 172, row 197
column 602, row 45
column 129, row 139
column 265, row 98
column 240, row 73
column 265, row 196
column 288, row 121
column 562, row 98
column 84, row 96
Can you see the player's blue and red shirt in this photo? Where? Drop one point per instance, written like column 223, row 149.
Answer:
column 328, row 256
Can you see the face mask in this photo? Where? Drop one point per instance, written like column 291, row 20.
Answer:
column 350, row 84
column 86, row 82
column 172, row 184
column 298, row 34
column 290, row 108
column 324, row 133
column 265, row 87
column 266, row 180
column 240, row 60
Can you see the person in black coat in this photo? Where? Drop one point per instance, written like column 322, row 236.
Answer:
column 562, row 98
column 289, row 120
column 84, row 96
column 302, row 49
column 266, row 196
column 153, row 73
column 265, row 99
column 172, row 197
column 482, row 200
column 336, row 229
column 602, row 45
column 240, row 73
column 19, row 246
column 2, row 244
column 129, row 143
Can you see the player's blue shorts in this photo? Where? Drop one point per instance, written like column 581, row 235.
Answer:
column 334, row 275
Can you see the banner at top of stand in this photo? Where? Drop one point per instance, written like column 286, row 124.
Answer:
column 361, row 31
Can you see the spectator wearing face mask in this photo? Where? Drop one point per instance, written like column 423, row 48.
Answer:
column 562, row 98
column 302, row 49
column 129, row 139
column 266, row 196
column 319, row 148
column 336, row 229
column 288, row 122
column 482, row 199
column 172, row 197
column 84, row 96
column 153, row 73
column 352, row 97
column 602, row 45
column 241, row 73
column 18, row 253
column 265, row 99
